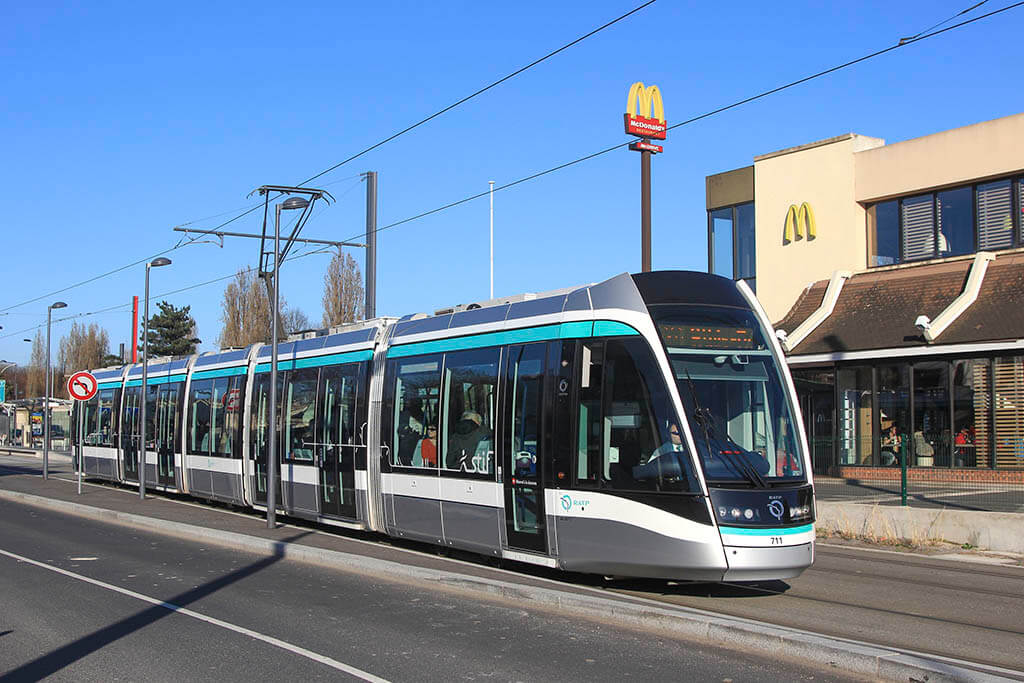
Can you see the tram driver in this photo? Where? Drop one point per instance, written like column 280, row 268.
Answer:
column 669, row 462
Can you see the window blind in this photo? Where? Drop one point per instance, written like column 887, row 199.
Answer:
column 995, row 222
column 1009, row 411
column 918, row 228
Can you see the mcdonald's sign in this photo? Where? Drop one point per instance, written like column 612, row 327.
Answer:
column 799, row 222
column 647, row 121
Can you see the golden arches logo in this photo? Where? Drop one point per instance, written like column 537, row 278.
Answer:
column 799, row 220
column 649, row 98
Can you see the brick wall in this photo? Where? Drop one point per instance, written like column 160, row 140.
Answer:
column 936, row 474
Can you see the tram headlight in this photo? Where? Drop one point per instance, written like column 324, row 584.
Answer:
column 799, row 512
column 748, row 513
column 735, row 512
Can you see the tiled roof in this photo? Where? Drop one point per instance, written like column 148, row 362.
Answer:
column 877, row 309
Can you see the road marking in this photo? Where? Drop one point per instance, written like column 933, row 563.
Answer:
column 276, row 642
column 82, row 559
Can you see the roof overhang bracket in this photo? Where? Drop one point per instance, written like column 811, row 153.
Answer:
column 828, row 304
column 931, row 329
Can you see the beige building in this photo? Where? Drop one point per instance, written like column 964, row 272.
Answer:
column 896, row 274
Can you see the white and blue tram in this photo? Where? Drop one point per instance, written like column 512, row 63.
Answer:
column 642, row 426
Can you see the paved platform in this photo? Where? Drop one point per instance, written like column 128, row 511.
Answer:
column 885, row 615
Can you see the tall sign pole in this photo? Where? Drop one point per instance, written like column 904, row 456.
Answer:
column 646, row 122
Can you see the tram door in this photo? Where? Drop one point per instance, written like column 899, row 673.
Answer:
column 338, row 439
column 130, row 433
column 168, row 408
column 523, row 459
column 260, row 434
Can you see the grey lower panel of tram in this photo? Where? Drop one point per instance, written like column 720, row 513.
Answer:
column 600, row 546
column 463, row 525
column 100, row 467
column 216, row 485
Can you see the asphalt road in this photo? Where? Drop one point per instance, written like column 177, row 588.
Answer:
column 81, row 600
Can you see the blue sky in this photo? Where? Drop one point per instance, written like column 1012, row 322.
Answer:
column 119, row 121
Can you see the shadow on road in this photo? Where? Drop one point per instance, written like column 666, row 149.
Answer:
column 66, row 655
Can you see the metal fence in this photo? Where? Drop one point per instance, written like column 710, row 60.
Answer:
column 937, row 473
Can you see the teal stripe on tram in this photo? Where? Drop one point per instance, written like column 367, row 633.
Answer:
column 109, row 385
column 737, row 531
column 220, row 372
column 318, row 361
column 153, row 381
column 574, row 330
column 610, row 328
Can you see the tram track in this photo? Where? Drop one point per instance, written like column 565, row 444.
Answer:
column 809, row 603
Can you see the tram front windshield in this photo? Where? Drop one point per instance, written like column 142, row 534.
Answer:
column 734, row 396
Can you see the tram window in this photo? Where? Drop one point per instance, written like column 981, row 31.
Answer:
column 152, row 394
column 416, row 405
column 629, row 436
column 99, row 419
column 339, row 405
column 260, row 408
column 467, row 430
column 233, row 403
column 300, row 409
column 200, row 416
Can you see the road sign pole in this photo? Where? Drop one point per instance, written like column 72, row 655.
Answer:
column 81, row 410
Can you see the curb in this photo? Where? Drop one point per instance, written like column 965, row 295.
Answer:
column 747, row 635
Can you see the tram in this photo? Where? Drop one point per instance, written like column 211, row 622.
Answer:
column 644, row 426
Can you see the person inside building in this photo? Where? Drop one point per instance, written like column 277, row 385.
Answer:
column 891, row 446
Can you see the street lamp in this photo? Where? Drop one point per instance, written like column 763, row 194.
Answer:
column 287, row 205
column 49, row 381
column 155, row 263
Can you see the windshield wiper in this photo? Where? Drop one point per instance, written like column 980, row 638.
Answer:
column 704, row 418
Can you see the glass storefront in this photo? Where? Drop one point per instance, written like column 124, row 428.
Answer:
column 964, row 413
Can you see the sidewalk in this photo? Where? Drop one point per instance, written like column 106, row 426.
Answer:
column 530, row 588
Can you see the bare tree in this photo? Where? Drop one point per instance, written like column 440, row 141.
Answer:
column 84, row 348
column 343, row 291
column 37, row 366
column 295, row 321
column 246, row 312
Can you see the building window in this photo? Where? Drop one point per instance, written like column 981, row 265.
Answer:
column 884, row 233
column 953, row 222
column 972, row 412
column 931, row 442
column 731, row 249
column 893, row 412
column 855, row 410
column 956, row 229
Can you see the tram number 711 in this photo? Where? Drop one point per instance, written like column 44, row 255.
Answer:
column 776, row 540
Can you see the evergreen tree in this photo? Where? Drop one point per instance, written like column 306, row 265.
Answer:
column 172, row 332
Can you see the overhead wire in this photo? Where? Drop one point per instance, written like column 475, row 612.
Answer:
column 902, row 43
column 419, row 123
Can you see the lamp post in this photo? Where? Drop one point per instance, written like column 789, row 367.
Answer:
column 155, row 263
column 46, row 399
column 287, row 205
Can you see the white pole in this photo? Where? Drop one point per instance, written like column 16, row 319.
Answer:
column 491, row 183
column 81, row 410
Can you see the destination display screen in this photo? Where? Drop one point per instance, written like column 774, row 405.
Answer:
column 708, row 336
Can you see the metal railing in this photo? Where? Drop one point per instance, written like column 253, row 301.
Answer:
column 918, row 471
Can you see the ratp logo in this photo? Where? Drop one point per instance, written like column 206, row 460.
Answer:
column 776, row 509
column 566, row 502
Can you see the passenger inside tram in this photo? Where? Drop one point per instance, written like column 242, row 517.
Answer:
column 425, row 454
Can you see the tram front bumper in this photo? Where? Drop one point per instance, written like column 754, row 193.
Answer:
column 766, row 564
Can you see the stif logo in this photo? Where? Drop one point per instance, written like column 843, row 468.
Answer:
column 798, row 222
column 650, row 121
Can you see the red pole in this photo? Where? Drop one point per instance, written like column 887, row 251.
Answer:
column 135, row 329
